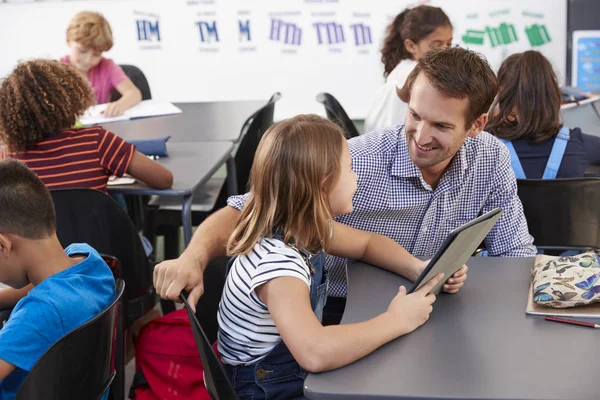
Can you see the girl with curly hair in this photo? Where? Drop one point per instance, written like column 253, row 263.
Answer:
column 413, row 33
column 40, row 102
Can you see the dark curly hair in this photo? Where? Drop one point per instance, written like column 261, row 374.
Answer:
column 40, row 98
column 414, row 24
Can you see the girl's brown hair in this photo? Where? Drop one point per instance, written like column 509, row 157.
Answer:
column 40, row 98
column 91, row 30
column 296, row 164
column 414, row 24
column 528, row 103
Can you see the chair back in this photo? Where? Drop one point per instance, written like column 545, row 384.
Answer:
column 92, row 217
column 250, row 135
column 562, row 213
column 336, row 113
column 217, row 383
column 139, row 80
column 78, row 366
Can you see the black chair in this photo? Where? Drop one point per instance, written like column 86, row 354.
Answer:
column 336, row 113
column 215, row 379
column 92, row 217
column 562, row 214
column 139, row 80
column 78, row 366
column 163, row 215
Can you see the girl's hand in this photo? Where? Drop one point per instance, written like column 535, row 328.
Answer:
column 413, row 310
column 113, row 110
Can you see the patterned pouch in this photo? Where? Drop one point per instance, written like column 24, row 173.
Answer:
column 562, row 282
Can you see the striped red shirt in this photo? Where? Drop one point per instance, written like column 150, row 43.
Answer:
column 78, row 158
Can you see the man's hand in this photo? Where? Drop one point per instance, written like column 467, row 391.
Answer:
column 183, row 273
column 456, row 281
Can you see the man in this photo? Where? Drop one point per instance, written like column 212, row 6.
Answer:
column 416, row 183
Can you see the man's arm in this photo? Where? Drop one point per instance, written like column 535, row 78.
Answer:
column 187, row 271
column 510, row 236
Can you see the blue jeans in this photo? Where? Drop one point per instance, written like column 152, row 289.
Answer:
column 278, row 375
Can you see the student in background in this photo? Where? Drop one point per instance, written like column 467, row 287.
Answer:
column 88, row 36
column 272, row 303
column 70, row 286
column 36, row 124
column 526, row 116
column 414, row 32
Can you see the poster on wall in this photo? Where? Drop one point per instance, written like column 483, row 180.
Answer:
column 219, row 50
column 586, row 60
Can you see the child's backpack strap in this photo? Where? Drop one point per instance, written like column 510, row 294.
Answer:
column 514, row 160
column 557, row 153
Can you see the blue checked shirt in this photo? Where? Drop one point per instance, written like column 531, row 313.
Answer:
column 392, row 198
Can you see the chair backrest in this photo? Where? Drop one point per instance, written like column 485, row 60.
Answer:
column 336, row 113
column 217, row 383
column 78, row 366
column 92, row 217
column 139, row 80
column 562, row 213
column 250, row 135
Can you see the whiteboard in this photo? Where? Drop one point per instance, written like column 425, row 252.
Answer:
column 210, row 50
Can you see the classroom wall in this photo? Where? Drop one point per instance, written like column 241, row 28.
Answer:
column 209, row 50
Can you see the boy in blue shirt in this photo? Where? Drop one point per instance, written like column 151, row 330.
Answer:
column 70, row 286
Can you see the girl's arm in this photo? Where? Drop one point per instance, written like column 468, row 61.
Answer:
column 130, row 96
column 383, row 252
column 317, row 348
column 375, row 249
column 150, row 172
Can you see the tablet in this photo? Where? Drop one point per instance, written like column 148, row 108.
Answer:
column 456, row 249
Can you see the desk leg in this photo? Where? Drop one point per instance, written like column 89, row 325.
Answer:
column 232, row 188
column 186, row 219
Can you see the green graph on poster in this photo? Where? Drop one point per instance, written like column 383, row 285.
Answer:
column 473, row 37
column 537, row 35
column 504, row 34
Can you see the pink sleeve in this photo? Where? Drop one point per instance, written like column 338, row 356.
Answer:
column 115, row 73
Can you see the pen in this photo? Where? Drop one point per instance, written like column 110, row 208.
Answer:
column 570, row 321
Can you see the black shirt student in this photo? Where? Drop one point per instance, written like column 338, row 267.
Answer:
column 582, row 151
column 527, row 114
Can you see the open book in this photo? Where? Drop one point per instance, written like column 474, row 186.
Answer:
column 147, row 108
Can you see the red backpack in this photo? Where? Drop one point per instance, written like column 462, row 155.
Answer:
column 167, row 362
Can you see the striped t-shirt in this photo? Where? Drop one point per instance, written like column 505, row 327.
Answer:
column 78, row 158
column 247, row 332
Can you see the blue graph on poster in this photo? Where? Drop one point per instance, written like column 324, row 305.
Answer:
column 588, row 63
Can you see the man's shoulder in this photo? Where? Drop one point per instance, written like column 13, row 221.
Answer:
column 376, row 143
column 487, row 149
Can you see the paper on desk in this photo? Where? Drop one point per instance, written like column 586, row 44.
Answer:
column 589, row 311
column 124, row 180
column 147, row 108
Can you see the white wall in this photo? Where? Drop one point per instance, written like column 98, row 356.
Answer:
column 181, row 68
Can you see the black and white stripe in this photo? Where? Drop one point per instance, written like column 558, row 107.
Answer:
column 246, row 330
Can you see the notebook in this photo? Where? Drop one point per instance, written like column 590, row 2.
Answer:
column 147, row 108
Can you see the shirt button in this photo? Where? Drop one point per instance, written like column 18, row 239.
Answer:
column 261, row 373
